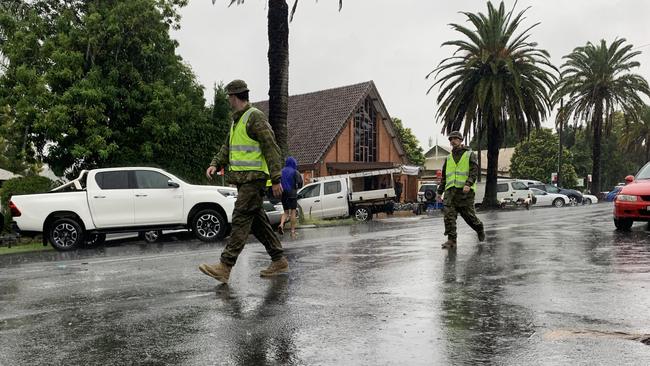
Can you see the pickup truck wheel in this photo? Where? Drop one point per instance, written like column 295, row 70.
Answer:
column 150, row 236
column 65, row 234
column 362, row 214
column 558, row 202
column 94, row 240
column 209, row 225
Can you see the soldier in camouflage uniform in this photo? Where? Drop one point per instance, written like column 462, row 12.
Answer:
column 253, row 158
column 459, row 174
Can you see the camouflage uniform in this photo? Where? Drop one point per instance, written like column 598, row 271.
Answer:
column 249, row 214
column 456, row 201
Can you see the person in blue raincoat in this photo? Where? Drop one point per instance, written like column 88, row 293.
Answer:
column 291, row 181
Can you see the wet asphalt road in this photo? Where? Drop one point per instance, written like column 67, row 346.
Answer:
column 549, row 287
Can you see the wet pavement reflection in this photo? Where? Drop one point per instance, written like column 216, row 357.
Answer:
column 548, row 287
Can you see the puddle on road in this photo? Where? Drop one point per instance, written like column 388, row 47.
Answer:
column 562, row 334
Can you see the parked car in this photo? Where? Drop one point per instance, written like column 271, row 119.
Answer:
column 113, row 200
column 588, row 199
column 530, row 182
column 633, row 201
column 611, row 195
column 508, row 191
column 550, row 199
column 574, row 196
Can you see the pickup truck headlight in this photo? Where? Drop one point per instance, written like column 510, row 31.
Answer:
column 627, row 198
column 227, row 192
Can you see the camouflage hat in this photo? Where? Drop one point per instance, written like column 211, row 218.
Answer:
column 236, row 87
column 455, row 134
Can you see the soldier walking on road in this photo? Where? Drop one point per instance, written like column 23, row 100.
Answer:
column 253, row 159
column 458, row 183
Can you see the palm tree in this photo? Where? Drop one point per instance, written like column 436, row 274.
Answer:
column 278, row 55
column 635, row 136
column 597, row 81
column 495, row 81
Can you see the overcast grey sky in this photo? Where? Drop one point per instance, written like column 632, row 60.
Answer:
column 394, row 45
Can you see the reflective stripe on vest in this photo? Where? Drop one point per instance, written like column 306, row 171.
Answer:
column 457, row 174
column 245, row 153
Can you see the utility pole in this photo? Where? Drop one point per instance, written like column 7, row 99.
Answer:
column 559, row 157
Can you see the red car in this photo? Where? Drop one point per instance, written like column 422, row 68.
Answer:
column 633, row 201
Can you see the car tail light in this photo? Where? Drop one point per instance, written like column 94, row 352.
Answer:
column 15, row 212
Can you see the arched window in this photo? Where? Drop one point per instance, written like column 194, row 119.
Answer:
column 365, row 132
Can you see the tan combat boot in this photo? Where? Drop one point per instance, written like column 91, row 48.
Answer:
column 277, row 267
column 219, row 271
column 451, row 243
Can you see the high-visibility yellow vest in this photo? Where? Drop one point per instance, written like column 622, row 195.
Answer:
column 456, row 174
column 245, row 153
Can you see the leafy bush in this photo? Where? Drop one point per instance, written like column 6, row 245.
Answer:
column 22, row 185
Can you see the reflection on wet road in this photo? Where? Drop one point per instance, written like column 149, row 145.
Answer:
column 549, row 287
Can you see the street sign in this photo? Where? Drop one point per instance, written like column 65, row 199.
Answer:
column 553, row 177
column 580, row 182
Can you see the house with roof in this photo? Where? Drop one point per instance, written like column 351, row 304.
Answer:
column 344, row 130
column 435, row 158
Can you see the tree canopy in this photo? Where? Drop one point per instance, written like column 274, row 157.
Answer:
column 497, row 79
column 412, row 148
column 596, row 81
column 96, row 84
column 536, row 158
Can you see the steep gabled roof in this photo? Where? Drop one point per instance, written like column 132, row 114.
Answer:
column 437, row 150
column 315, row 119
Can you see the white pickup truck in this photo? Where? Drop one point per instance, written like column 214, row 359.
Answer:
column 358, row 194
column 114, row 200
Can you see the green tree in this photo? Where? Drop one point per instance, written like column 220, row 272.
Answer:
column 101, row 83
column 510, row 139
column 536, row 158
column 22, row 185
column 189, row 153
column 596, row 81
column 496, row 80
column 414, row 152
column 635, row 136
column 278, row 55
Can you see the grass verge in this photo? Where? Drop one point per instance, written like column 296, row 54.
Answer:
column 327, row 223
column 25, row 248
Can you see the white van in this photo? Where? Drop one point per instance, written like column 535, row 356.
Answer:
column 512, row 190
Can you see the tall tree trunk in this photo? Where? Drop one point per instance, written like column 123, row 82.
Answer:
column 278, row 32
column 597, row 125
column 480, row 169
column 493, row 145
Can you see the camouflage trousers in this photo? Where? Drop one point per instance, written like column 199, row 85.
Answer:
column 457, row 202
column 249, row 216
